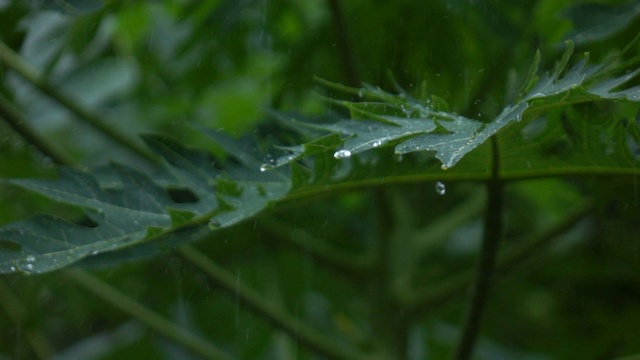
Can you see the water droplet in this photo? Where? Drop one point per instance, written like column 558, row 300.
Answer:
column 440, row 188
column 342, row 154
column 12, row 268
column 28, row 267
column 214, row 225
column 265, row 167
column 360, row 94
column 377, row 143
column 92, row 252
column 30, row 258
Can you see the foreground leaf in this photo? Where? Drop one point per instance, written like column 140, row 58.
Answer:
column 126, row 208
column 451, row 136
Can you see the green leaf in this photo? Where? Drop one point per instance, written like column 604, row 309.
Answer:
column 128, row 209
column 178, row 217
column 596, row 22
column 453, row 136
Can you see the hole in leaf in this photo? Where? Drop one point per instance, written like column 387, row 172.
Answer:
column 87, row 222
column 180, row 196
column 9, row 245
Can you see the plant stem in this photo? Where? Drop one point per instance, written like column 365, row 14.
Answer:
column 16, row 311
column 255, row 302
column 344, row 47
column 354, row 265
column 515, row 256
column 493, row 224
column 167, row 328
column 15, row 62
column 388, row 321
column 20, row 124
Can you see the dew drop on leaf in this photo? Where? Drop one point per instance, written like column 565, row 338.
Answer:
column 342, row 154
column 440, row 188
column 265, row 167
column 377, row 143
column 30, row 258
column 214, row 225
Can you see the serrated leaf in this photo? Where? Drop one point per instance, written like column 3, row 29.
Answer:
column 228, row 187
column 47, row 243
column 453, row 136
column 130, row 209
column 532, row 76
column 178, row 217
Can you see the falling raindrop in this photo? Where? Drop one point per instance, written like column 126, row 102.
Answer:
column 342, row 154
column 440, row 188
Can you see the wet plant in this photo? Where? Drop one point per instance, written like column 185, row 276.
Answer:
column 447, row 211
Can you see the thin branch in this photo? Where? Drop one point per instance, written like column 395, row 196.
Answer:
column 344, row 46
column 15, row 62
column 160, row 324
column 389, row 323
column 21, row 125
column 18, row 314
column 493, row 231
column 255, row 302
column 354, row 265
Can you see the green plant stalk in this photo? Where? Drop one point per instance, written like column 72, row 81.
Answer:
column 18, row 314
column 20, row 124
column 344, row 46
column 15, row 62
column 442, row 293
column 389, row 324
column 284, row 348
column 493, row 229
column 354, row 265
column 255, row 302
column 160, row 324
